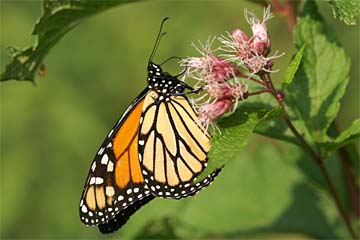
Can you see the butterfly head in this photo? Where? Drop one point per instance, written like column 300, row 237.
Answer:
column 162, row 82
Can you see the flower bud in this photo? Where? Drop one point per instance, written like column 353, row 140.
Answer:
column 269, row 64
column 221, row 70
column 261, row 47
column 209, row 112
column 255, row 64
column 280, row 96
column 238, row 91
column 240, row 36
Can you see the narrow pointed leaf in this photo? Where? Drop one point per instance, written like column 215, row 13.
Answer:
column 349, row 135
column 292, row 68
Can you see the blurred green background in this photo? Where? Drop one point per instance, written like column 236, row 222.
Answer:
column 51, row 131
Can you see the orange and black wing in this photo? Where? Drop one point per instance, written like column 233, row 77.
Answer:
column 115, row 186
column 173, row 146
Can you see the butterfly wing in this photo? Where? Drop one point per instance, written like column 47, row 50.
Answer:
column 122, row 217
column 115, row 186
column 173, row 147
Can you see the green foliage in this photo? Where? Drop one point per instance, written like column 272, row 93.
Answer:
column 292, row 68
column 58, row 18
column 259, row 195
column 347, row 10
column 235, row 132
column 314, row 82
column 322, row 77
column 49, row 133
column 277, row 129
column 349, row 135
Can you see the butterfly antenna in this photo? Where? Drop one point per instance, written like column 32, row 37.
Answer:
column 158, row 38
column 168, row 59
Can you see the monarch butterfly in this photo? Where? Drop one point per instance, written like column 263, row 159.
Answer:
column 156, row 149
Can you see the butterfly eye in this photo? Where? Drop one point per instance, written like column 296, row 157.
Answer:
column 180, row 89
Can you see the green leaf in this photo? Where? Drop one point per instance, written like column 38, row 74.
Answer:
column 347, row 10
column 293, row 67
column 235, row 132
column 58, row 18
column 347, row 136
column 314, row 96
column 276, row 128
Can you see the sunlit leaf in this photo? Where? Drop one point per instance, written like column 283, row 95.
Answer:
column 58, row 18
column 292, row 68
column 347, row 11
column 320, row 82
column 350, row 134
column 235, row 132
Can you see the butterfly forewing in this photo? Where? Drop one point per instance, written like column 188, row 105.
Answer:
column 115, row 181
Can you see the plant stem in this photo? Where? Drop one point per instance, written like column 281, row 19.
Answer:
column 242, row 75
column 257, row 92
column 314, row 156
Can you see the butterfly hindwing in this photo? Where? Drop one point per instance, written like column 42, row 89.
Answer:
column 115, row 185
column 173, row 146
column 122, row 217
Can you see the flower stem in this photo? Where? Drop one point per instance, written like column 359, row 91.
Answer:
column 242, row 75
column 314, row 156
column 257, row 92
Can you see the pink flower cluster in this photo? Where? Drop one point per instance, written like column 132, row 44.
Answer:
column 223, row 75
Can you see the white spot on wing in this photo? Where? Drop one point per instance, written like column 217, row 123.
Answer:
column 92, row 180
column 93, row 166
column 110, row 166
column 105, row 159
column 99, row 180
column 84, row 209
column 109, row 190
column 101, row 150
column 112, row 130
